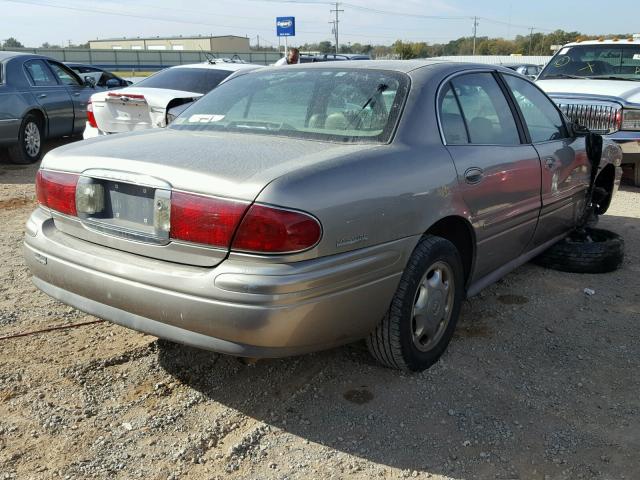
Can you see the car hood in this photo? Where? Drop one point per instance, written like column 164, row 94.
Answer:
column 617, row 90
column 155, row 97
column 226, row 164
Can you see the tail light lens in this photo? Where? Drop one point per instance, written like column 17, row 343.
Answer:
column 57, row 191
column 262, row 229
column 90, row 116
column 207, row 220
column 274, row 230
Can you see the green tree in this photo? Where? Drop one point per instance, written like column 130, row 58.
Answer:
column 403, row 50
column 12, row 43
column 325, row 47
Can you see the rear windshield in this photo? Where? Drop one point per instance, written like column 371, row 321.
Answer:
column 198, row 80
column 604, row 61
column 335, row 104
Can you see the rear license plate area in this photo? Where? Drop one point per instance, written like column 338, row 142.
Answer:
column 130, row 206
column 129, row 211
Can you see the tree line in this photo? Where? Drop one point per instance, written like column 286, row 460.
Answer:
column 535, row 44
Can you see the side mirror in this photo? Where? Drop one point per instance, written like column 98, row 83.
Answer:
column 90, row 81
column 578, row 130
column 113, row 83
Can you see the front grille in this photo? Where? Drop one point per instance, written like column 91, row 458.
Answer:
column 599, row 118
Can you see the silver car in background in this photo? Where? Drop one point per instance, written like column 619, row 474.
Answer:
column 296, row 209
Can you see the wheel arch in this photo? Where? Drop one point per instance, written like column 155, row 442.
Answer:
column 42, row 116
column 458, row 231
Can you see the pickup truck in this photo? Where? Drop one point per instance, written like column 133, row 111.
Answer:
column 596, row 83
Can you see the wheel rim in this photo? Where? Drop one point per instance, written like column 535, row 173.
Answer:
column 32, row 139
column 432, row 306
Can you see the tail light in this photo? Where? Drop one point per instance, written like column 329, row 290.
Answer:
column 90, row 116
column 195, row 218
column 267, row 229
column 207, row 220
column 57, row 191
column 262, row 229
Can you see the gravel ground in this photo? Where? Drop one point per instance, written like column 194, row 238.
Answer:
column 541, row 381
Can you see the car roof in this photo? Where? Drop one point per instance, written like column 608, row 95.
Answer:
column 402, row 66
column 4, row 55
column 220, row 65
column 624, row 41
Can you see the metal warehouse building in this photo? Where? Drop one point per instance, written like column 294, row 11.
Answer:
column 221, row 44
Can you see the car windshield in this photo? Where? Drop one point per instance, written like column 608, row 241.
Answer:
column 602, row 61
column 334, row 104
column 198, row 80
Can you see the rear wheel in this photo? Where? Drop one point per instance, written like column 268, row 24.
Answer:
column 424, row 311
column 30, row 138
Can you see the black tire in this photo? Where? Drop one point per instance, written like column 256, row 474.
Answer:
column 593, row 251
column 393, row 342
column 24, row 152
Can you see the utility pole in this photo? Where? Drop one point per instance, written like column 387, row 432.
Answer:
column 475, row 32
column 530, row 39
column 335, row 25
column 258, row 37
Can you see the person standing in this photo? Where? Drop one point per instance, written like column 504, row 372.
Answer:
column 291, row 59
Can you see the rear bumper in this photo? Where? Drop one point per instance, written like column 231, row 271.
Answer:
column 245, row 307
column 91, row 132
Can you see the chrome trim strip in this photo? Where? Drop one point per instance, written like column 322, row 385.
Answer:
column 127, row 177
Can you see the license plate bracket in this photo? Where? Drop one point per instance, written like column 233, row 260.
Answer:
column 133, row 211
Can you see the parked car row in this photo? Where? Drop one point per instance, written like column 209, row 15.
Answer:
column 292, row 209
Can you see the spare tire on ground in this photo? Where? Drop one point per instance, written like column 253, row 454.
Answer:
column 588, row 250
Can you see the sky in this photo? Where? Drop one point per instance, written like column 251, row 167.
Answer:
column 34, row 22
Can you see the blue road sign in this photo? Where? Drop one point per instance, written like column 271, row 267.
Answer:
column 286, row 26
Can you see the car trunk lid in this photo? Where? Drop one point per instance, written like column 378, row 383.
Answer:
column 134, row 108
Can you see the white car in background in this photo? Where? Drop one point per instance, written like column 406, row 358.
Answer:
column 148, row 103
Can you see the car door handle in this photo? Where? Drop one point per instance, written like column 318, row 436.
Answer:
column 549, row 162
column 473, row 175
column 77, row 94
column 42, row 95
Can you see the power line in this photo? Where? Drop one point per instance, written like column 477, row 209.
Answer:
column 120, row 13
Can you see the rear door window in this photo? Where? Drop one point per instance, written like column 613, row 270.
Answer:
column 39, row 74
column 541, row 116
column 451, row 119
column 489, row 118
